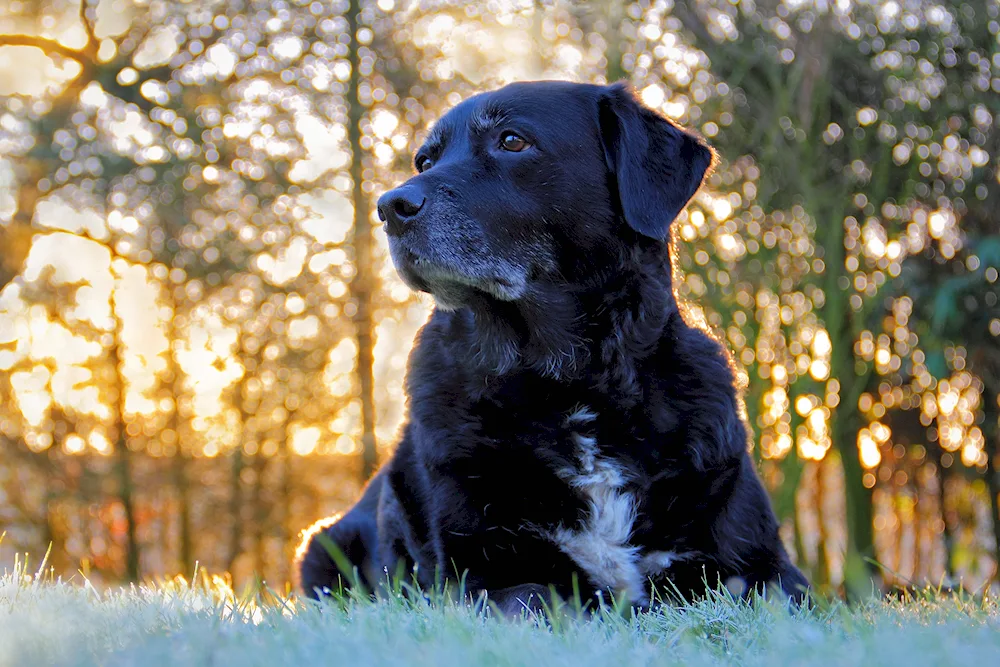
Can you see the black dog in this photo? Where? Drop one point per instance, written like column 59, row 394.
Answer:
column 565, row 422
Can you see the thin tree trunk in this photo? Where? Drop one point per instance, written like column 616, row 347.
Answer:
column 362, row 285
column 613, row 38
column 123, row 466
column 845, row 422
column 185, row 550
column 285, row 492
column 896, row 571
column 993, row 486
column 844, row 427
column 49, row 528
column 803, row 560
column 269, row 507
column 248, row 433
column 822, row 561
column 180, row 460
column 236, row 505
column 991, row 431
column 948, row 534
column 784, row 498
column 923, row 558
column 257, row 501
column 536, row 59
column 860, row 537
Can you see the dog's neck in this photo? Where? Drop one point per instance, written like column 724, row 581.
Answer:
column 598, row 330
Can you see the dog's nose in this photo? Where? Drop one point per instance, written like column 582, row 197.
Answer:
column 398, row 207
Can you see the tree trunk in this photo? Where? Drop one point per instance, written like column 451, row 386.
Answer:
column 859, row 570
column 935, row 452
column 991, row 431
column 613, row 38
column 784, row 497
column 236, row 505
column 285, row 491
column 845, row 422
column 180, row 461
column 49, row 528
column 993, row 486
column 123, row 466
column 185, row 550
column 258, row 503
column 362, row 285
column 823, row 572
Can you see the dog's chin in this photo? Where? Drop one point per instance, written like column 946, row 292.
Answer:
column 453, row 289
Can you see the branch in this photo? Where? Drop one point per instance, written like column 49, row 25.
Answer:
column 86, row 57
column 132, row 93
column 727, row 57
column 695, row 25
column 88, row 17
column 51, row 47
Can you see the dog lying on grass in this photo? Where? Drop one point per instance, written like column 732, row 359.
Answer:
column 566, row 427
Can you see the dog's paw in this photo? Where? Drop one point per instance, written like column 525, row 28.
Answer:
column 518, row 601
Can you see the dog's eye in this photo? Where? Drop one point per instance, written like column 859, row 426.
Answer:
column 513, row 143
column 424, row 163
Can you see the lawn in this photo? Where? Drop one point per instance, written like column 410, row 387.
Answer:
column 72, row 623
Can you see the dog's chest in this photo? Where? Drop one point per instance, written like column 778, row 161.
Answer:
column 600, row 541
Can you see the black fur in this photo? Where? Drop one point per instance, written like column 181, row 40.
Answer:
column 552, row 277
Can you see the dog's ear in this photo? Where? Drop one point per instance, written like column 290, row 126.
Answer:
column 657, row 166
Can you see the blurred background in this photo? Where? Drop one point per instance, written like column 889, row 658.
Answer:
column 202, row 341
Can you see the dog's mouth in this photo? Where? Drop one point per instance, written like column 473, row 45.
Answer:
column 451, row 286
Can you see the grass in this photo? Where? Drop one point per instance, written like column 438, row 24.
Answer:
column 51, row 622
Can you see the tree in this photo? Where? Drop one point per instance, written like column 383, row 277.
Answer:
column 837, row 110
column 364, row 281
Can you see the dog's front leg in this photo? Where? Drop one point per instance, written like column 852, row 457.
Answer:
column 515, row 601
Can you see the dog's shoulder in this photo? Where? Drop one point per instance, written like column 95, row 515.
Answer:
column 690, row 348
column 693, row 390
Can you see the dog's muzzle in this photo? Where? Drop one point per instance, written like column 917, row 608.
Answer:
column 400, row 207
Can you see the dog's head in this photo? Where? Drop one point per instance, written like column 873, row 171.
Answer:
column 541, row 182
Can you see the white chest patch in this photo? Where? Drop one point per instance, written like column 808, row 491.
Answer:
column 599, row 543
